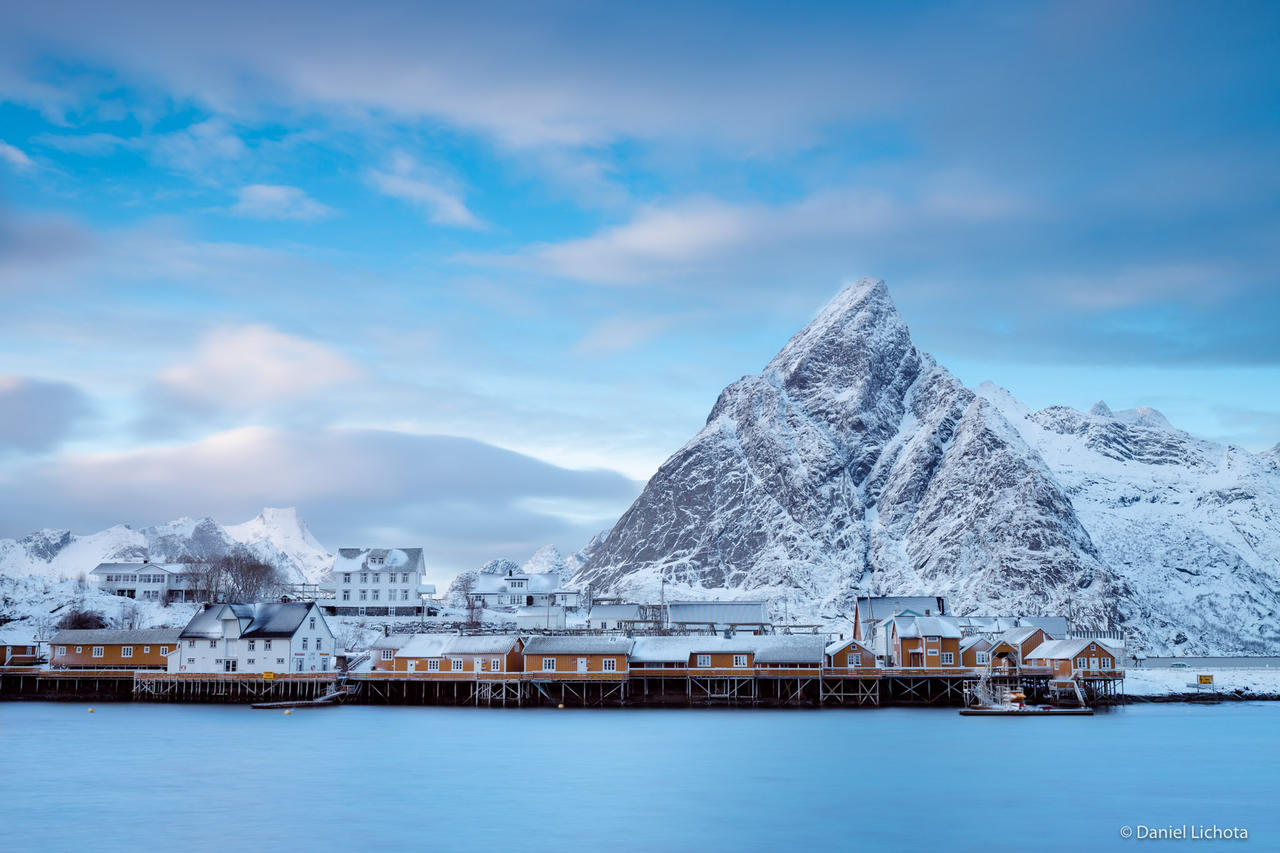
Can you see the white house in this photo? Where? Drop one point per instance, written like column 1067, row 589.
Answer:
column 290, row 637
column 147, row 581
column 379, row 582
column 613, row 617
column 518, row 589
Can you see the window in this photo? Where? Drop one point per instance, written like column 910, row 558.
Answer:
column 252, row 643
column 704, row 660
column 495, row 665
column 279, row 660
column 931, row 652
column 164, row 650
column 126, row 651
column 317, row 644
column 433, row 665
column 948, row 658
column 313, row 623
column 304, row 644
column 739, row 660
column 346, row 595
column 375, row 577
column 62, row 651
column 982, row 657
column 388, row 654
column 97, row 651
column 191, row 660
column 252, row 661
column 609, row 664
column 1106, row 663
column 1082, row 663
column 266, row 645
column 364, row 577
column 549, row 664
column 191, row 644
column 363, row 595
column 146, row 650
column 456, row 664
column 346, row 577
column 79, row 650
column 404, row 595
column 931, row 639
column 855, row 659
column 213, row 644
column 375, row 594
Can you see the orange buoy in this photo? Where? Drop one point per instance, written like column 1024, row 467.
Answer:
column 287, row 713
column 561, row 706
column 90, row 710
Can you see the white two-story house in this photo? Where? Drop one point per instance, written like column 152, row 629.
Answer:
column 147, row 581
column 290, row 637
column 379, row 582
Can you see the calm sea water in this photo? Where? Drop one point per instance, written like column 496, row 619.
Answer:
column 133, row 777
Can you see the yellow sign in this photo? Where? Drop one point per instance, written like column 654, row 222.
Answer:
column 271, row 676
column 1204, row 679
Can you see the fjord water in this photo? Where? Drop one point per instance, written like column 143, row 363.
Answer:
column 132, row 777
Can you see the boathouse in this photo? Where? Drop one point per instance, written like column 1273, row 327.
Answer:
column 18, row 647
column 1010, row 651
column 714, row 617
column 924, row 642
column 1081, row 658
column 104, row 648
column 453, row 656
column 975, row 652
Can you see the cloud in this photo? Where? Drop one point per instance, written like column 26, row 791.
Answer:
column 266, row 201
column 411, row 182
column 198, row 148
column 464, row 500
column 616, row 334
column 242, row 367
column 15, row 157
column 38, row 414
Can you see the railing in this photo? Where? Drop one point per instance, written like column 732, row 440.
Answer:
column 161, row 675
column 433, row 675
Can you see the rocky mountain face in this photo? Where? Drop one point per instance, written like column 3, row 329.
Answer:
column 276, row 536
column 854, row 464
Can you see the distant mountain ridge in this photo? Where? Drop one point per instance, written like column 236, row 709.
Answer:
column 276, row 536
column 854, row 464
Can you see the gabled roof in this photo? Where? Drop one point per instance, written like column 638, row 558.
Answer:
column 927, row 626
column 1018, row 636
column 837, row 645
column 1066, row 649
column 142, row 568
column 969, row 642
column 256, row 620
column 790, row 648
column 615, row 612
column 111, row 636
column 395, row 560
column 871, row 608
column 586, row 645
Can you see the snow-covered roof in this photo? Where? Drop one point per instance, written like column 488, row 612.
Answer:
column 393, row 559
column 1018, row 636
column 535, row 584
column 974, row 640
column 589, row 645
column 1065, row 649
column 717, row 612
column 927, row 626
column 256, row 620
column 1056, row 626
column 552, row 610
column 615, row 612
column 426, row 646
column 790, row 648
column 141, row 567
column 884, row 606
column 391, row 641
column 444, row 645
column 111, row 636
column 837, row 645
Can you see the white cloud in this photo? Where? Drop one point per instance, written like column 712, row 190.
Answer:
column 249, row 366
column 411, row 182
column 15, row 157
column 267, row 201
column 616, row 334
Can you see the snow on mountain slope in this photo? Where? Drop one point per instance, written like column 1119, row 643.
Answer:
column 854, row 464
column 276, row 536
column 1191, row 525
column 30, row 606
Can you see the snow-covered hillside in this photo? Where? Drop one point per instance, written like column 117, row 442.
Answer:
column 277, row 536
column 30, row 606
column 854, row 464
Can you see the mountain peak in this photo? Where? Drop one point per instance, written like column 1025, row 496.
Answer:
column 1101, row 409
column 1144, row 416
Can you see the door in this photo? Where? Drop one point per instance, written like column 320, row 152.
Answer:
column 1093, row 663
column 297, row 664
column 582, row 664
column 917, row 659
column 478, row 664
column 229, row 666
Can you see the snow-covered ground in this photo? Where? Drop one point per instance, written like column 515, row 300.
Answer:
column 1165, row 682
column 32, row 606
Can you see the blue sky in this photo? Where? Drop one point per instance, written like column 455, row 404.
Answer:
column 463, row 277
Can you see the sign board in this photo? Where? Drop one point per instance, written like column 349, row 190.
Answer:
column 1204, row 679
column 268, row 676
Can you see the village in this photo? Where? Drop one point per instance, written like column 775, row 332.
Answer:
column 566, row 649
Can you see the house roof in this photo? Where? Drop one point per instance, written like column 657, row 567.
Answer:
column 1057, row 626
column 140, row 567
column 771, row 648
column 885, row 606
column 790, row 648
column 1065, row 649
column 396, row 560
column 1018, row 636
column 927, row 626
column 256, row 620
column 717, row 612
column 587, row 645
column 536, row 584
column 111, row 636
column 837, row 645
column 615, row 611
column 974, row 640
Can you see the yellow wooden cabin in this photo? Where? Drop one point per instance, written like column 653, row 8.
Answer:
column 578, row 658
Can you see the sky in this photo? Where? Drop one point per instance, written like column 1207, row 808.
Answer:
column 461, row 276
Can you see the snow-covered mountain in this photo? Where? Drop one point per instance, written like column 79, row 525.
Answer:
column 854, row 464
column 277, row 536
